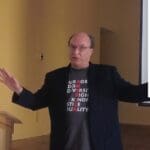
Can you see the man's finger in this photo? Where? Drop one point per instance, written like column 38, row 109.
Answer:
column 5, row 73
column 2, row 81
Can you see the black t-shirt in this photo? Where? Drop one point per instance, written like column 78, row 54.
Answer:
column 77, row 109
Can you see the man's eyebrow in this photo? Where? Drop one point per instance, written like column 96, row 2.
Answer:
column 76, row 45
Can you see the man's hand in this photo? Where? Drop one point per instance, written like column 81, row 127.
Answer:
column 10, row 81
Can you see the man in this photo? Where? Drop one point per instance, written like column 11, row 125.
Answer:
column 82, row 99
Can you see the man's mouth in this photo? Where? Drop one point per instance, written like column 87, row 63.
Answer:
column 74, row 58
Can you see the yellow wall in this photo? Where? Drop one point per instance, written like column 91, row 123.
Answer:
column 15, row 57
column 29, row 28
column 122, row 18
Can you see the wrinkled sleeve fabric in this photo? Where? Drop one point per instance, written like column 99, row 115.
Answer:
column 125, row 91
column 34, row 101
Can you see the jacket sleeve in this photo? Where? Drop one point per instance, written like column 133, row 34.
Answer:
column 34, row 101
column 125, row 91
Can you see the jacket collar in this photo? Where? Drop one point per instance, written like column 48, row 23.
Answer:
column 90, row 65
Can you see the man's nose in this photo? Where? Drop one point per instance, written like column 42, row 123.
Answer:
column 76, row 50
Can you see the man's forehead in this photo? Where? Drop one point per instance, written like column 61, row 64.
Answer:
column 80, row 38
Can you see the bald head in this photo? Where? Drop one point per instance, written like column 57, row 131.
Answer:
column 85, row 35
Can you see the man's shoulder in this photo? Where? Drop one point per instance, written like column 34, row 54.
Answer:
column 63, row 70
column 103, row 67
column 103, row 70
column 58, row 71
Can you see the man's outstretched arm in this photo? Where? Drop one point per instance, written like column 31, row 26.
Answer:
column 10, row 81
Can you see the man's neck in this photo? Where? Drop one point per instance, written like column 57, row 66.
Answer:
column 80, row 67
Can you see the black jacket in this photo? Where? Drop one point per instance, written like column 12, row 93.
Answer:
column 106, row 87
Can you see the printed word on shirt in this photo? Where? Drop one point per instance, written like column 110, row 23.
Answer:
column 77, row 96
